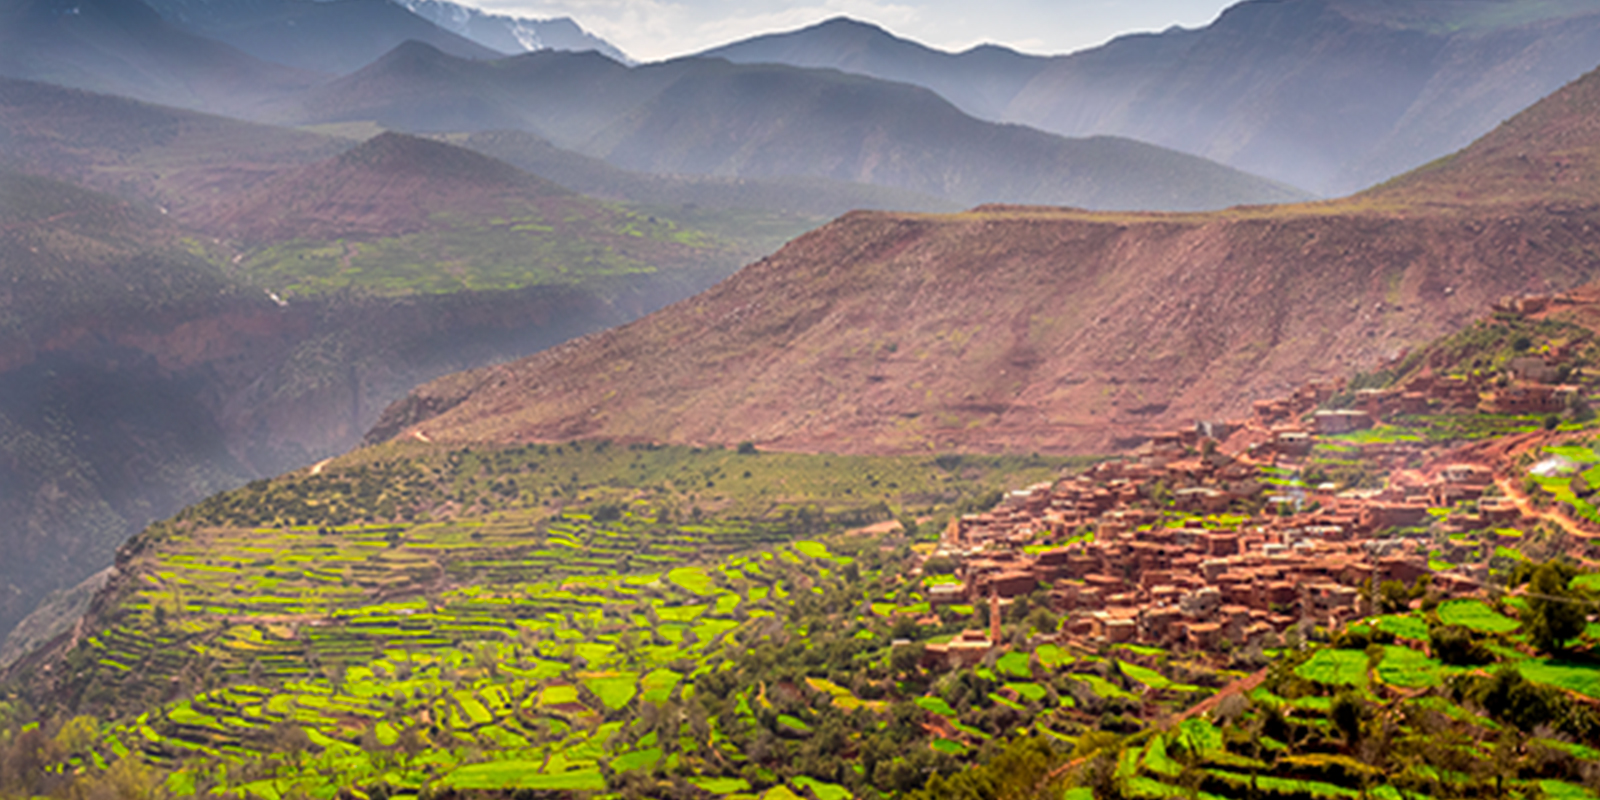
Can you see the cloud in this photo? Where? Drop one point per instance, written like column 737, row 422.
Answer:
column 644, row 29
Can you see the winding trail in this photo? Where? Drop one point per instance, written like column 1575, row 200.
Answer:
column 1527, row 509
column 1240, row 686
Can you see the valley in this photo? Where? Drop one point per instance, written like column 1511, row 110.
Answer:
column 413, row 400
column 1303, row 602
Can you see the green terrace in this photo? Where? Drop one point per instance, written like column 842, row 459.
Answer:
column 1452, row 701
column 592, row 682
column 620, row 645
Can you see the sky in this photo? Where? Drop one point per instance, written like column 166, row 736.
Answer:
column 651, row 30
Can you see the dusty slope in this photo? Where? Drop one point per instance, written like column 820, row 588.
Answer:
column 389, row 185
column 1049, row 329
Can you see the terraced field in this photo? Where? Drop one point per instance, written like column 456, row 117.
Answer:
column 525, row 621
column 536, row 618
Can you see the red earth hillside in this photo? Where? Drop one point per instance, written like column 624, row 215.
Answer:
column 390, row 185
column 1043, row 329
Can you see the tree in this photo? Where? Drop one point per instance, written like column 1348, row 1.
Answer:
column 1347, row 712
column 1393, row 597
column 1455, row 645
column 1554, row 613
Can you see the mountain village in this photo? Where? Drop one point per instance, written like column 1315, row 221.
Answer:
column 1145, row 551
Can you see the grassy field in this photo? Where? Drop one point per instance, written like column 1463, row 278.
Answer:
column 495, row 255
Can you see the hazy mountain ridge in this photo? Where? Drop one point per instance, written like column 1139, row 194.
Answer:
column 124, row 47
column 709, row 117
column 981, row 81
column 1328, row 95
column 816, row 197
column 877, row 334
column 330, row 37
column 143, row 363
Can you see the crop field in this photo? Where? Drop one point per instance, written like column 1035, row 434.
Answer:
column 562, row 683
column 544, row 619
column 1477, row 615
column 1402, row 666
column 534, row 685
column 558, row 242
column 600, row 620
column 1335, row 668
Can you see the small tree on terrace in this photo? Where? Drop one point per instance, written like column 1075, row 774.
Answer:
column 1555, row 613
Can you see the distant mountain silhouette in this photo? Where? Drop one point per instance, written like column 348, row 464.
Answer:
column 710, row 117
column 1327, row 95
column 981, row 81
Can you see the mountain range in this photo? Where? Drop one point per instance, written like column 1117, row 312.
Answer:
column 345, row 264
column 656, row 525
column 709, row 117
column 1327, row 95
column 145, row 361
column 1010, row 327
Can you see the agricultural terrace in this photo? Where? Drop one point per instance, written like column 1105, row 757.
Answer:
column 580, row 583
column 608, row 642
column 1450, row 701
column 1566, row 474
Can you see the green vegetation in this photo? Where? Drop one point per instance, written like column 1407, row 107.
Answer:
column 502, row 254
column 540, row 618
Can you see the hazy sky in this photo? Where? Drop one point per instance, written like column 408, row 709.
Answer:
column 651, row 30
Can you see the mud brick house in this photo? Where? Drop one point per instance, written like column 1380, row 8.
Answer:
column 1333, row 423
column 1381, row 515
column 1292, row 442
column 1143, row 576
column 966, row 650
column 1526, row 398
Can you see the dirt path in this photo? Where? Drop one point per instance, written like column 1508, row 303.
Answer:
column 35, row 222
column 1245, row 684
column 1527, row 509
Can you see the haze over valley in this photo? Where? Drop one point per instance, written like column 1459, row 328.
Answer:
column 413, row 399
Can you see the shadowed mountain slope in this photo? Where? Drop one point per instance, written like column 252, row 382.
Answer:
column 710, row 117
column 141, row 369
column 183, row 161
column 332, row 37
column 1044, row 329
column 124, row 47
column 389, row 185
column 89, row 454
column 1328, row 95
